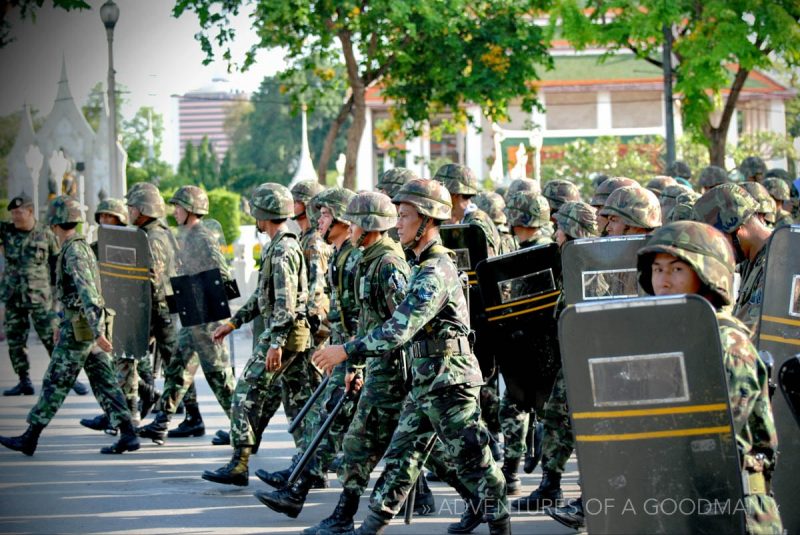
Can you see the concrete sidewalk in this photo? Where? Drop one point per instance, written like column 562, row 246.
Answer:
column 69, row 487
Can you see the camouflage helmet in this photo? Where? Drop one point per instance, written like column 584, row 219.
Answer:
column 778, row 188
column 271, row 201
column 637, row 206
column 766, row 204
column 335, row 200
column 701, row 246
column 608, row 186
column 372, row 211
column 501, row 190
column 146, row 198
column 669, row 198
column 429, row 197
column 64, row 209
column 522, row 184
column 597, row 179
column 114, row 207
column 557, row 192
column 752, row 166
column 527, row 209
column 392, row 180
column 712, row 176
column 305, row 190
column 778, row 172
column 657, row 184
column 577, row 219
column 192, row 199
column 458, row 179
column 684, row 207
column 725, row 207
column 493, row 204
column 679, row 169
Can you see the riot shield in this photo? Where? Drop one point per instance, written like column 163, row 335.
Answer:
column 601, row 268
column 469, row 244
column 650, row 412
column 124, row 263
column 779, row 333
column 200, row 298
column 520, row 291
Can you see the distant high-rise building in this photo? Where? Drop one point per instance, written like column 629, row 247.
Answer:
column 202, row 112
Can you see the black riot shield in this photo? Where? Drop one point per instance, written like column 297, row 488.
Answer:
column 651, row 417
column 601, row 268
column 201, row 298
column 520, row 291
column 470, row 245
column 124, row 263
column 779, row 333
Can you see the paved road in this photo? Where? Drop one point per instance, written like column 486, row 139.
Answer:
column 68, row 487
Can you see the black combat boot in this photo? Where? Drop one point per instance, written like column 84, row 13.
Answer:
column 548, row 493
column 374, row 524
column 500, row 527
column 191, row 426
column 341, row 520
column 280, row 478
column 571, row 515
column 149, row 397
column 157, row 429
column 233, row 473
column 513, row 483
column 23, row 388
column 471, row 518
column 98, row 423
column 128, row 441
column 534, row 452
column 26, row 442
column 80, row 388
column 289, row 500
column 221, row 438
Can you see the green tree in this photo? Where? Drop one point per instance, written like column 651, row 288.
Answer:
column 428, row 57
column 198, row 167
column 27, row 10
column 95, row 104
column 716, row 45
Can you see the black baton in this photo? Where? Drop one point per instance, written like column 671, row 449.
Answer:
column 310, row 403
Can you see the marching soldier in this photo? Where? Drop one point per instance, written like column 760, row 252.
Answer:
column 445, row 375
column 84, row 324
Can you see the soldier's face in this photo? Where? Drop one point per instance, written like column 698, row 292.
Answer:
column 602, row 222
column 109, row 219
column 615, row 226
column 325, row 220
column 408, row 221
column 181, row 214
column 355, row 234
column 670, row 276
column 561, row 237
column 299, row 208
column 133, row 214
column 22, row 217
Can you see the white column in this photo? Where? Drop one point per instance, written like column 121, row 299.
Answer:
column 366, row 155
column 425, row 149
column 604, row 112
column 413, row 154
column 777, row 125
column 474, row 157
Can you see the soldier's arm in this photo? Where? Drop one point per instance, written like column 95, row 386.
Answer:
column 316, row 276
column 79, row 264
column 286, row 266
column 248, row 312
column 426, row 295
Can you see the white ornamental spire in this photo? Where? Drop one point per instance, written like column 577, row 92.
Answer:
column 305, row 170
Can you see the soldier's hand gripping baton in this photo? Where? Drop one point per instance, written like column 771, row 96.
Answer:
column 412, row 494
column 310, row 403
column 314, row 444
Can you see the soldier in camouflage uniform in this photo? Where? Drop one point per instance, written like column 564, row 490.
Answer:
column 601, row 194
column 83, row 325
column 280, row 299
column 574, row 220
column 681, row 172
column 522, row 184
column 693, row 258
column 669, row 197
column 766, row 204
column 198, row 252
column 752, row 169
column 557, row 192
column 445, row 376
column 390, row 183
column 684, row 207
column 631, row 210
column 730, row 209
column 25, row 288
column 779, row 190
column 494, row 205
column 659, row 183
column 343, row 319
column 711, row 177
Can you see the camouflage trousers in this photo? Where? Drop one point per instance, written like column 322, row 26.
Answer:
column 762, row 515
column 514, row 423
column 17, row 327
column 452, row 413
column 68, row 358
column 490, row 405
column 196, row 348
column 558, row 442
column 259, row 393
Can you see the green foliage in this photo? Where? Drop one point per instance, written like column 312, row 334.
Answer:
column 767, row 145
column 225, row 207
column 27, row 10
column 95, row 104
column 198, row 167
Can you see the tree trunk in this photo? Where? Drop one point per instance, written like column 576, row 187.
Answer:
column 358, row 94
column 716, row 146
column 330, row 139
column 717, row 136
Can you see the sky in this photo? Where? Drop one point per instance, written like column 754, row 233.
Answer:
column 155, row 57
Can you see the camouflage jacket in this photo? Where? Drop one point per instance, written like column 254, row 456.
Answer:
column 434, row 309
column 78, row 283
column 749, row 397
column 507, row 243
column 751, row 291
column 317, row 253
column 282, row 290
column 198, row 251
column 783, row 219
column 164, row 258
column 27, row 272
column 480, row 218
column 381, row 284
column 343, row 314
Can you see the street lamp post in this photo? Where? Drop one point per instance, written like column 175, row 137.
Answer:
column 109, row 14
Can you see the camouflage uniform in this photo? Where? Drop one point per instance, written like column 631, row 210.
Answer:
column 669, row 197
column 557, row 192
column 779, row 190
column 25, row 288
column 684, row 207
column 445, row 377
column 637, row 207
column 707, row 252
column 766, row 204
column 84, row 320
column 494, row 205
column 390, row 183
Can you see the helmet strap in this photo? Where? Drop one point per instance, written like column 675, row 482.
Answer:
column 420, row 231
